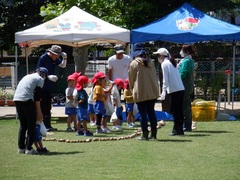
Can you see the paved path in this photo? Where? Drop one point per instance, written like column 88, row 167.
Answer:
column 10, row 111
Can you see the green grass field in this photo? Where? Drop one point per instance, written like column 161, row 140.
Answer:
column 211, row 152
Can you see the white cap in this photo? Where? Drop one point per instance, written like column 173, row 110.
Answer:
column 162, row 51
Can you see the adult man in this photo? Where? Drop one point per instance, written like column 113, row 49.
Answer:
column 118, row 64
column 27, row 100
column 50, row 60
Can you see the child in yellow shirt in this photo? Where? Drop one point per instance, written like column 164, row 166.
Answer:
column 99, row 98
column 129, row 105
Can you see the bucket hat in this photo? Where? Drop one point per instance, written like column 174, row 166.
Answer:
column 55, row 49
column 138, row 49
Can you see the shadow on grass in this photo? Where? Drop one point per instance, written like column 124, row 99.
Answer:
column 211, row 132
column 59, row 153
column 173, row 140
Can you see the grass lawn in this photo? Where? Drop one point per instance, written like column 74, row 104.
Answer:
column 210, row 152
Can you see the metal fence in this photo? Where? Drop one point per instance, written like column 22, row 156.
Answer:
column 210, row 77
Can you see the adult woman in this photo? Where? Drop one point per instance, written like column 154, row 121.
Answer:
column 172, row 85
column 144, row 85
column 186, row 69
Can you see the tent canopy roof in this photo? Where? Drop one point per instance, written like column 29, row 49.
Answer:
column 74, row 28
column 186, row 25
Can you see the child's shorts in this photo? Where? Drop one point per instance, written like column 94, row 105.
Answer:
column 99, row 107
column 70, row 111
column 90, row 109
column 37, row 135
column 82, row 114
column 119, row 112
column 129, row 107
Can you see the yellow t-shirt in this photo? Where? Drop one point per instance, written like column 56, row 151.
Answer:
column 128, row 96
column 98, row 90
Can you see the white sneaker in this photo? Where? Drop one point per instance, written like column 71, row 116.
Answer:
column 21, row 151
column 118, row 128
column 129, row 126
column 134, row 125
column 32, row 151
column 92, row 123
column 106, row 130
column 114, row 128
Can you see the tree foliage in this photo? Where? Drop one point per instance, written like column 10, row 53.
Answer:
column 22, row 14
column 15, row 16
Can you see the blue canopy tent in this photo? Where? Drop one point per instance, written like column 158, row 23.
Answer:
column 189, row 25
column 186, row 25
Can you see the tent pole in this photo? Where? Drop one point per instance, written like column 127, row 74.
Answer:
column 15, row 73
column 26, row 54
column 16, row 68
column 233, row 74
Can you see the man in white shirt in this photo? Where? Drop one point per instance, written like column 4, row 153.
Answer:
column 118, row 64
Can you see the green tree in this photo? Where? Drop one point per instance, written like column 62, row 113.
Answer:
column 15, row 16
column 22, row 14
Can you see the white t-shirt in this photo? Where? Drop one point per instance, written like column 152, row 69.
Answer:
column 90, row 97
column 26, row 87
column 115, row 95
column 69, row 92
column 119, row 66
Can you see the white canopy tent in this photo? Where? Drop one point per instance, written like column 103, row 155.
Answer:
column 74, row 28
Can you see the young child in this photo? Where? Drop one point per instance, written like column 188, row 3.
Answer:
column 38, row 140
column 70, row 106
column 108, row 105
column 119, row 84
column 82, row 110
column 91, row 113
column 129, row 105
column 99, row 99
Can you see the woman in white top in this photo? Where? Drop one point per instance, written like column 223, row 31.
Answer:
column 172, row 85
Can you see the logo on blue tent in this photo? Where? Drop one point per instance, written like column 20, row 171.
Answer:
column 187, row 23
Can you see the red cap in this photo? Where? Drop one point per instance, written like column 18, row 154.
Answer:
column 119, row 82
column 76, row 75
column 80, row 81
column 126, row 83
column 71, row 77
column 97, row 76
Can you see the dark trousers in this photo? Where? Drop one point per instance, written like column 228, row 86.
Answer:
column 166, row 104
column 177, row 111
column 187, row 109
column 46, row 106
column 147, row 112
column 27, row 116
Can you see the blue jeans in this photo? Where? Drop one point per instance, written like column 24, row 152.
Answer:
column 27, row 116
column 147, row 112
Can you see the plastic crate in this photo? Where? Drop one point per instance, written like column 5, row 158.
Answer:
column 202, row 113
column 205, row 103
